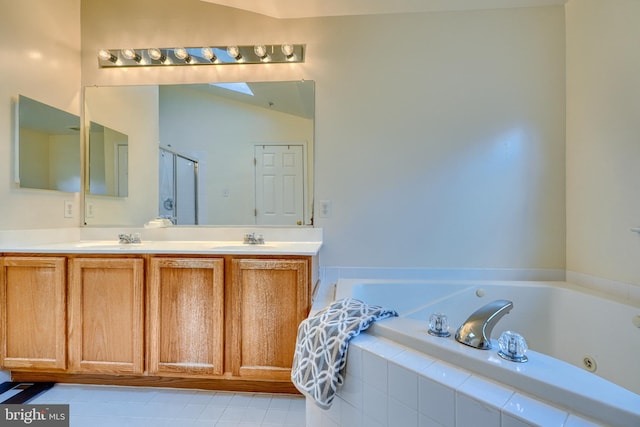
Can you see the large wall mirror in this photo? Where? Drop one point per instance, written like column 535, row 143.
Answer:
column 47, row 147
column 208, row 154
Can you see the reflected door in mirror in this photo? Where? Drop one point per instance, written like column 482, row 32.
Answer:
column 108, row 161
column 279, row 184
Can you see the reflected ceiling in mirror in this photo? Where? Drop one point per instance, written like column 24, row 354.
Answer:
column 48, row 147
column 225, row 138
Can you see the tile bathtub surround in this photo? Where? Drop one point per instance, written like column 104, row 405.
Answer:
column 148, row 406
column 389, row 385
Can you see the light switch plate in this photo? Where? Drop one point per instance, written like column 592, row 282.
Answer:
column 324, row 208
column 89, row 210
column 68, row 209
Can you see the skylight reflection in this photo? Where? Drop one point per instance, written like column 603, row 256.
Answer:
column 240, row 87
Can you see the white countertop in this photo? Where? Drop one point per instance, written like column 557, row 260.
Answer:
column 220, row 247
column 303, row 241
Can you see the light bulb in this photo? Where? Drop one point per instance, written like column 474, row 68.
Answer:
column 234, row 52
column 288, row 49
column 105, row 55
column 156, row 54
column 207, row 52
column 131, row 54
column 181, row 53
column 261, row 52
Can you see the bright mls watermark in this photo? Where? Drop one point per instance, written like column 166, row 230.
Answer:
column 34, row 415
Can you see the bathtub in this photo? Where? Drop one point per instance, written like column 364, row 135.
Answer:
column 583, row 349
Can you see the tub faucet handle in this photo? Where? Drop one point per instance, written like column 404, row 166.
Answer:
column 439, row 325
column 513, row 347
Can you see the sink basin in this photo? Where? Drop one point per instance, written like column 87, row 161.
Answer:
column 242, row 246
column 107, row 244
column 96, row 244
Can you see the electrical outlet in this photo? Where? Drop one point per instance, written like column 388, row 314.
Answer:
column 324, row 208
column 89, row 211
column 68, row 209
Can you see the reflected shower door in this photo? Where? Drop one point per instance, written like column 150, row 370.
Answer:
column 187, row 191
column 178, row 188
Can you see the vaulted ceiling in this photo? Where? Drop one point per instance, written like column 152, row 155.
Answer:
column 317, row 8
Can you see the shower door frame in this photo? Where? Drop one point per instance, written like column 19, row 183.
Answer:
column 196, row 178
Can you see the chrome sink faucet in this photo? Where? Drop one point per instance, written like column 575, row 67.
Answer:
column 476, row 330
column 253, row 239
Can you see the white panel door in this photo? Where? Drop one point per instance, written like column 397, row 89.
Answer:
column 279, row 181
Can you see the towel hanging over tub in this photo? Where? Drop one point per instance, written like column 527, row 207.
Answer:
column 321, row 346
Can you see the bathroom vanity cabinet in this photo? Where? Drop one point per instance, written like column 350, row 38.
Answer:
column 206, row 321
column 106, row 315
column 268, row 298
column 33, row 313
column 186, row 316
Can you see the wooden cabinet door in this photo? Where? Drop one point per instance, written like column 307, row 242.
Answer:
column 186, row 316
column 270, row 297
column 32, row 304
column 106, row 315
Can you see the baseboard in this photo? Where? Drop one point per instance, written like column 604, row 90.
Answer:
column 239, row 385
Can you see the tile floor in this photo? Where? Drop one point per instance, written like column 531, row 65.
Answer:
column 99, row 406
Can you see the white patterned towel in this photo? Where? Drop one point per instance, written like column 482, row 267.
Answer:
column 321, row 346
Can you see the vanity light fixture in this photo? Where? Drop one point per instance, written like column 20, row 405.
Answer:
column 157, row 55
column 131, row 54
column 106, row 55
column 202, row 55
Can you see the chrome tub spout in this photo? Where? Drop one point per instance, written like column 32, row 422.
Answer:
column 476, row 330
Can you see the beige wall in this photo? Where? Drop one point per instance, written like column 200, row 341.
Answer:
column 439, row 137
column 603, row 138
column 40, row 45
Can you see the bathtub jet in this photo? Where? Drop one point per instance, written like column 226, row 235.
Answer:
column 476, row 330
